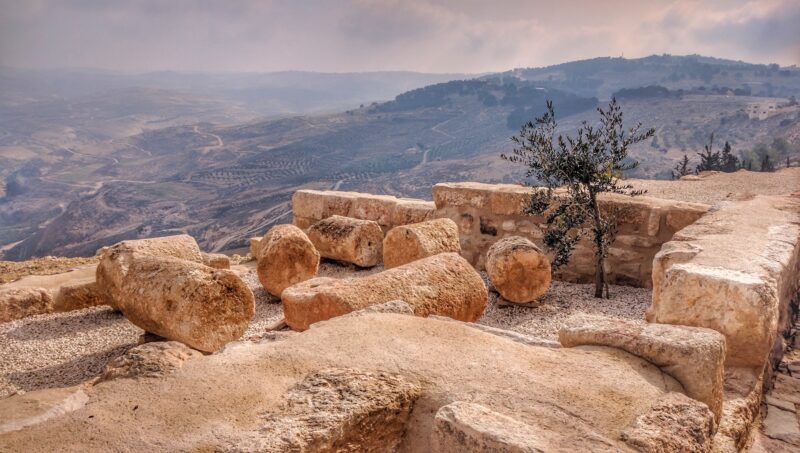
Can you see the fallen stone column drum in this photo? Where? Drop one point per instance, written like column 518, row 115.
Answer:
column 355, row 241
column 518, row 269
column 285, row 256
column 444, row 284
column 406, row 243
column 204, row 308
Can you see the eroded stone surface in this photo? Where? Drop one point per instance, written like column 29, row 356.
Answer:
column 733, row 271
column 675, row 423
column 518, row 269
column 285, row 256
column 406, row 243
column 694, row 356
column 216, row 260
column 347, row 239
column 149, row 360
column 76, row 296
column 17, row 303
column 443, row 284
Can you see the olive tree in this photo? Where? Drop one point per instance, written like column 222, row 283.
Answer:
column 581, row 167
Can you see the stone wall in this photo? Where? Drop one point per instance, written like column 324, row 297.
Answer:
column 736, row 271
column 310, row 206
column 488, row 212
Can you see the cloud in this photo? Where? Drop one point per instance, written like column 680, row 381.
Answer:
column 364, row 35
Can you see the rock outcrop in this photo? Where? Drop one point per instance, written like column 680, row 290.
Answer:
column 347, row 239
column 18, row 303
column 406, row 243
column 518, row 269
column 149, row 360
column 674, row 423
column 692, row 355
column 77, row 296
column 735, row 271
column 285, row 256
column 443, row 284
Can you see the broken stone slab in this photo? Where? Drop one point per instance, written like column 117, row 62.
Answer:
column 216, row 260
column 18, row 303
column 149, row 360
column 77, row 296
column 406, row 243
column 189, row 302
column 444, row 284
column 254, row 243
column 694, row 356
column 285, row 256
column 709, row 276
column 674, row 423
column 347, row 239
column 518, row 269
column 336, row 410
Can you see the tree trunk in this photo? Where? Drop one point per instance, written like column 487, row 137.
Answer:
column 599, row 272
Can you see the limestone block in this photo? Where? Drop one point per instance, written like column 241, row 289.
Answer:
column 412, row 211
column 216, row 260
column 286, row 256
column 406, row 243
column 681, row 215
column 518, row 269
column 462, row 194
column 18, row 303
column 254, row 243
column 303, row 222
column 674, row 423
column 319, row 204
column 443, row 284
column 378, row 208
column 732, row 271
column 347, row 239
column 153, row 359
column 77, row 296
column 469, row 427
column 692, row 355
column 181, row 300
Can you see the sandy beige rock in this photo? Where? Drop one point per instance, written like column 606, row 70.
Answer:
column 734, row 270
column 254, row 243
column 17, row 303
column 406, row 243
column 116, row 259
column 184, row 301
column 285, row 257
column 220, row 401
column 443, row 284
column 692, row 355
column 472, row 428
column 216, row 260
column 675, row 423
column 347, row 239
column 335, row 410
column 149, row 360
column 77, row 296
column 518, row 269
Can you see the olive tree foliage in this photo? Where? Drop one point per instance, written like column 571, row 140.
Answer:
column 581, row 167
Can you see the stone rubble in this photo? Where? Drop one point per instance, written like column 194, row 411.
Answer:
column 285, row 257
column 518, row 269
column 406, row 243
column 346, row 239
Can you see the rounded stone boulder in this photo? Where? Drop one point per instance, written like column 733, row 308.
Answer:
column 518, row 269
column 444, row 284
column 347, row 239
column 181, row 300
column 406, row 243
column 285, row 257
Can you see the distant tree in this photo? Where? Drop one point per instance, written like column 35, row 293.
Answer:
column 766, row 164
column 788, row 162
column 584, row 165
column 681, row 168
column 728, row 162
column 709, row 160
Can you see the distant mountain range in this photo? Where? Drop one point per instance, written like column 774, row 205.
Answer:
column 85, row 168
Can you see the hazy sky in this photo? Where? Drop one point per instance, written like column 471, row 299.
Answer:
column 370, row 35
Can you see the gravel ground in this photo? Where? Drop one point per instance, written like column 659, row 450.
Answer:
column 64, row 349
column 716, row 187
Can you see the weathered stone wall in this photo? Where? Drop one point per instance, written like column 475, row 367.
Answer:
column 486, row 213
column 310, row 206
